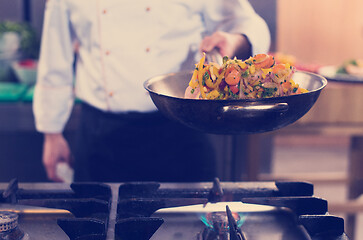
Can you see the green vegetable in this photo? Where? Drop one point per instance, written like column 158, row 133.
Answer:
column 342, row 69
column 268, row 92
column 244, row 74
column 225, row 59
column 232, row 94
column 205, row 77
column 353, row 62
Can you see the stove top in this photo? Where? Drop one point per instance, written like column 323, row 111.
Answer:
column 151, row 210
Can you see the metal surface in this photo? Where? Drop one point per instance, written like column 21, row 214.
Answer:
column 8, row 221
column 281, row 222
column 42, row 223
column 29, row 210
column 42, row 226
column 232, row 116
column 9, row 229
column 265, row 225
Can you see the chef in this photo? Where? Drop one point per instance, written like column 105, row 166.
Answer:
column 120, row 44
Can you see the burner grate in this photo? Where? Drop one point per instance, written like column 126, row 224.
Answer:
column 131, row 211
column 137, row 202
column 89, row 203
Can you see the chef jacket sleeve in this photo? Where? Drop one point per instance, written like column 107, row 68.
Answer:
column 237, row 16
column 53, row 94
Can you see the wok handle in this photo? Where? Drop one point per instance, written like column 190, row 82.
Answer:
column 276, row 107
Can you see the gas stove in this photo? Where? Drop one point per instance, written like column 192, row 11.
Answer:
column 150, row 210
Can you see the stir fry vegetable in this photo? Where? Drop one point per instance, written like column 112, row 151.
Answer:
column 256, row 77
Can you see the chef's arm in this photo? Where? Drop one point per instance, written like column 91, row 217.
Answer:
column 53, row 94
column 235, row 28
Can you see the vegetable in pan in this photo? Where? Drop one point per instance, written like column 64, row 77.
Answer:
column 256, row 77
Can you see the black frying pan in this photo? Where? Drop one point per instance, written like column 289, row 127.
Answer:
column 232, row 116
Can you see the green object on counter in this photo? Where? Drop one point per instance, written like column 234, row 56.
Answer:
column 10, row 92
column 28, row 96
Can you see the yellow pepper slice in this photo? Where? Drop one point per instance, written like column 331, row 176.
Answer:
column 243, row 65
column 213, row 94
column 193, row 81
column 252, row 69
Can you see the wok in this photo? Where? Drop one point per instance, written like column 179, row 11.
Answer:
column 240, row 116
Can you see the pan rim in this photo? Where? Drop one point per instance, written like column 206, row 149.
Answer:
column 149, row 82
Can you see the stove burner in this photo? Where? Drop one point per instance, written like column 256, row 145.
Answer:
column 218, row 222
column 8, row 221
column 9, row 227
column 130, row 211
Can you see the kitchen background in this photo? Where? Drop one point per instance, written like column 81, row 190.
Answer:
column 324, row 147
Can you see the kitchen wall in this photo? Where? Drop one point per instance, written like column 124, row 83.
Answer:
column 320, row 32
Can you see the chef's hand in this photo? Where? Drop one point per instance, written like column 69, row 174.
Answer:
column 228, row 44
column 55, row 150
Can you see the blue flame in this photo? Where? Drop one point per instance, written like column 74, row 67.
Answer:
column 209, row 224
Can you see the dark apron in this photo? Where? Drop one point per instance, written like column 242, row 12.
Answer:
column 140, row 147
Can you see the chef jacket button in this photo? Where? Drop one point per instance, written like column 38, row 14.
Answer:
column 147, row 9
column 107, row 53
column 147, row 50
column 104, row 11
column 110, row 94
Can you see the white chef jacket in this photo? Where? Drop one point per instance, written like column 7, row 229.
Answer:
column 122, row 43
